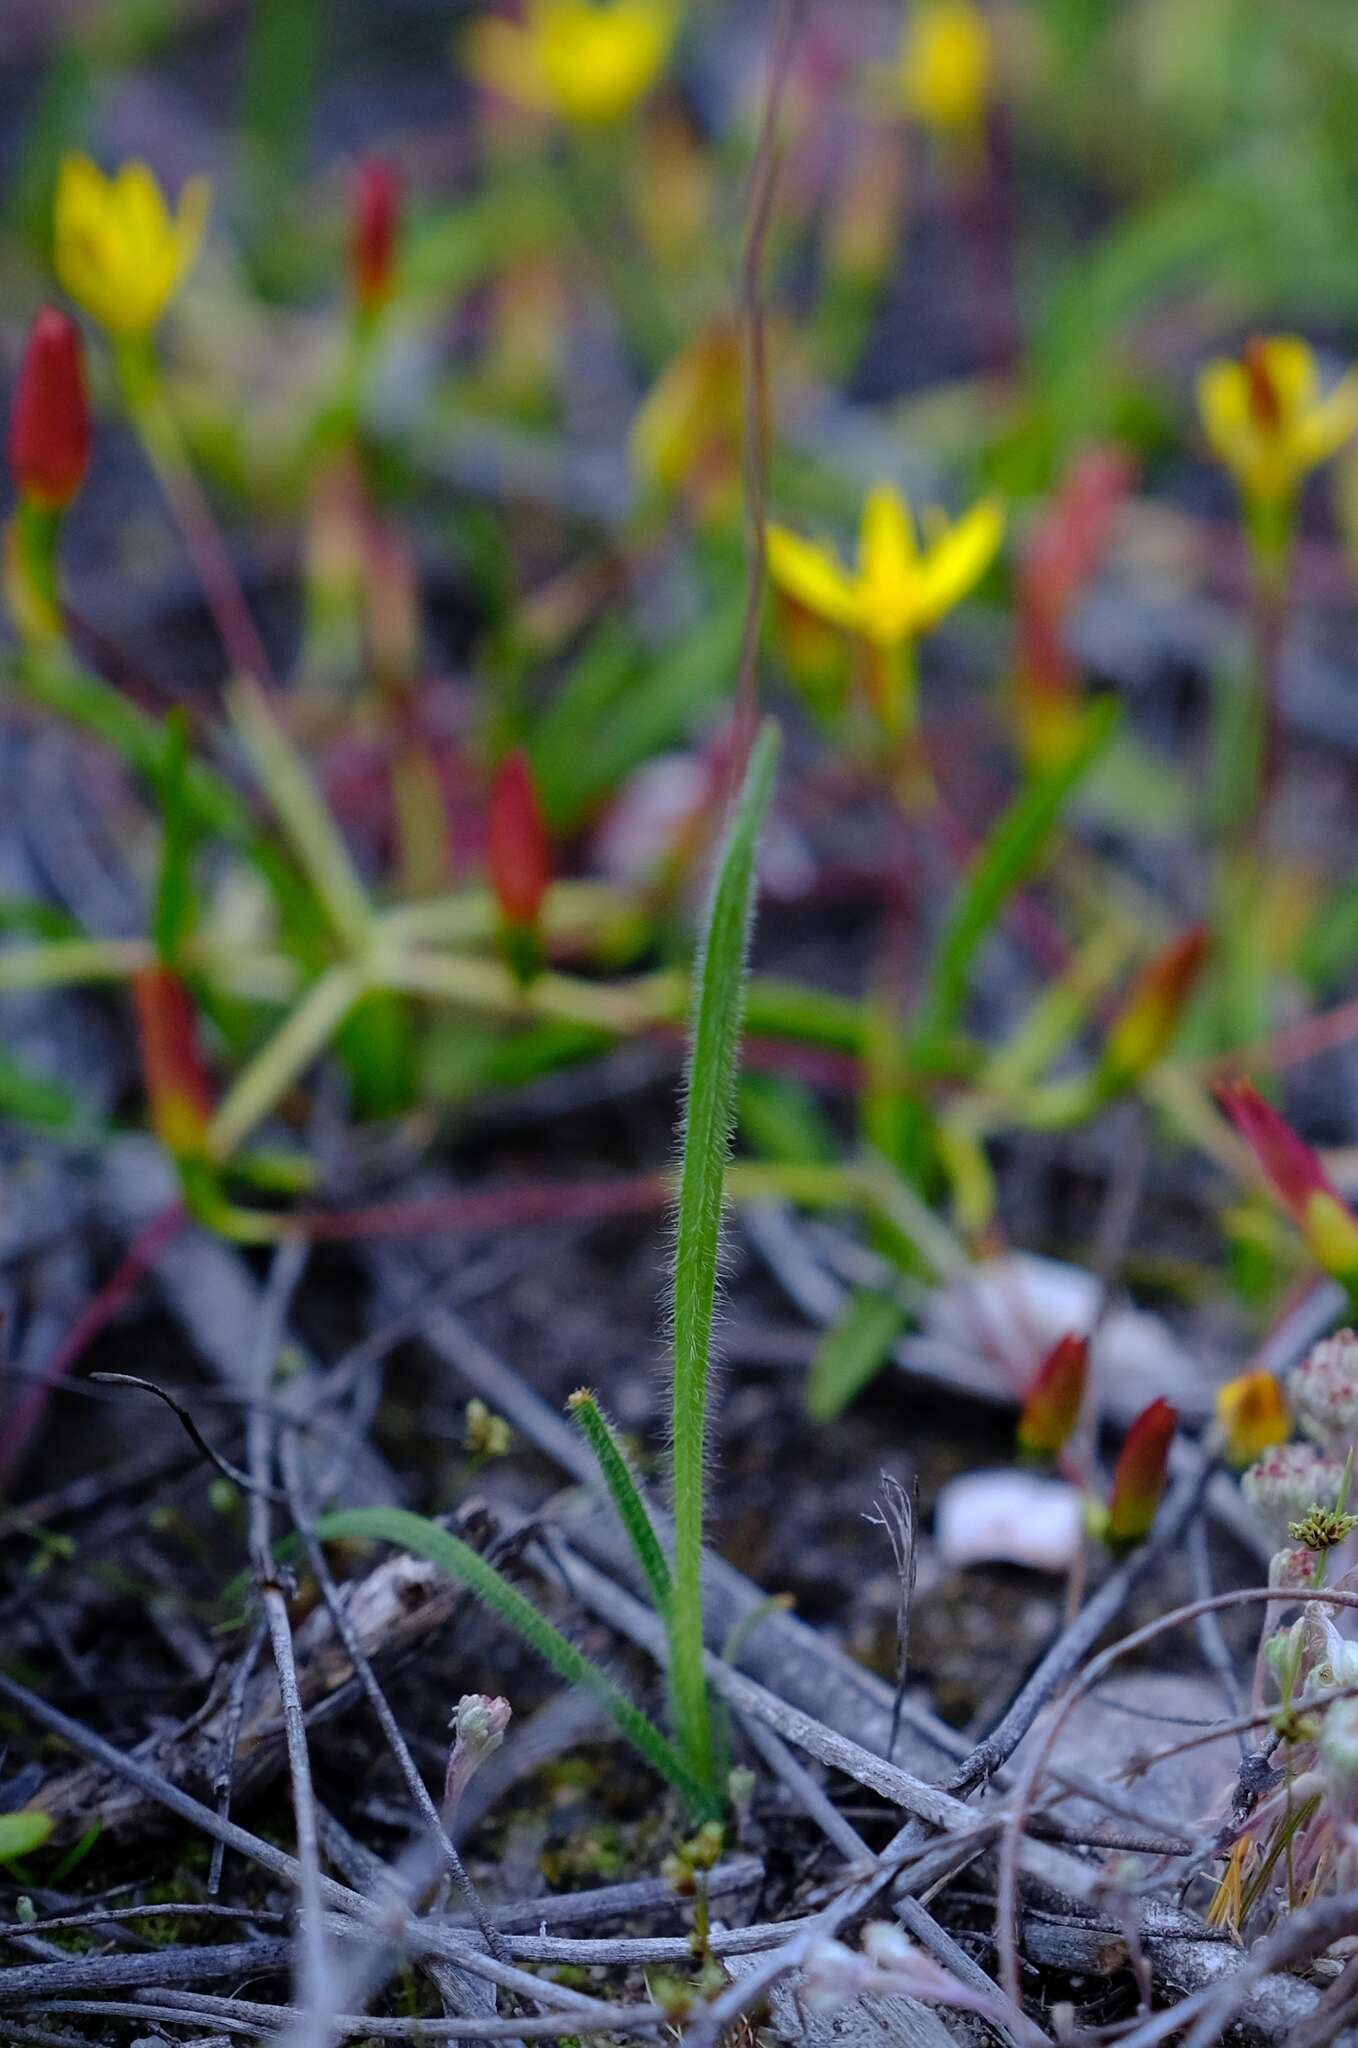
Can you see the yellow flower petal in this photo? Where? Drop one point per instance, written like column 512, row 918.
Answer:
column 808, row 572
column 1252, row 1415
column 117, row 249
column 600, row 57
column 887, row 553
column 1224, row 404
column 1325, row 429
column 956, row 563
column 1264, row 421
column 945, row 65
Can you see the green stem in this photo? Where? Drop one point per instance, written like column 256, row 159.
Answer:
column 625, row 1495
column 150, row 414
column 62, row 961
column 312, row 831
column 287, row 1055
column 489, row 986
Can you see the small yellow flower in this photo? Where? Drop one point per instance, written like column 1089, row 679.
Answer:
column 1252, row 1415
column 897, row 590
column 945, row 66
column 119, row 252
column 590, row 61
column 1266, row 421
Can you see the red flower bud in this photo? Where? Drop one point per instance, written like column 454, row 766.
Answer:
column 1139, row 1476
column 1074, row 531
column 49, row 424
column 1296, row 1177
column 1051, row 1406
column 376, row 206
column 172, row 1065
column 518, row 851
column 1147, row 1020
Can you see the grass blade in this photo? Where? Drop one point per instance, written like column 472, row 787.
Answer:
column 719, row 988
column 416, row 1533
column 853, row 1350
column 625, row 1495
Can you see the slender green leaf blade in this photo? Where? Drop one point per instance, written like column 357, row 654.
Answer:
column 1007, row 858
column 719, row 984
column 461, row 1562
column 852, row 1352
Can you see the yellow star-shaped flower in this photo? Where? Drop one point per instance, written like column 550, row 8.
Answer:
column 1266, row 420
column 119, row 251
column 589, row 61
column 898, row 589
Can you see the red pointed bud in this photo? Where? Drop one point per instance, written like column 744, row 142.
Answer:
column 49, row 423
column 1073, row 534
column 372, row 248
column 172, row 1064
column 1297, row 1178
column 1051, row 1406
column 1147, row 1021
column 1139, row 1476
column 518, row 851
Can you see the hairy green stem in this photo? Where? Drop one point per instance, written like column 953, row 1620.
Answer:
column 719, row 986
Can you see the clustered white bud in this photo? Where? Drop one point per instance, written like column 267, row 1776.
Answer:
column 1324, row 1391
column 1291, row 1570
column 1287, row 1482
column 890, row 1965
column 478, row 1722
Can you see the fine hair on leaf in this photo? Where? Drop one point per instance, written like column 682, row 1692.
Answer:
column 709, row 1117
column 626, row 1497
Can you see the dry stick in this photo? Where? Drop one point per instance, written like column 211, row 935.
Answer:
column 1304, row 1932
column 1075, row 1643
column 157, row 1967
column 389, row 1923
column 246, row 2016
column 1016, row 2026
column 224, row 1775
column 313, row 1963
column 101, row 1307
column 1006, row 1891
column 1207, row 1628
column 290, row 1460
column 99, row 1916
column 219, row 1463
column 1338, row 2005
column 760, row 193
column 505, row 1391
column 932, row 1804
